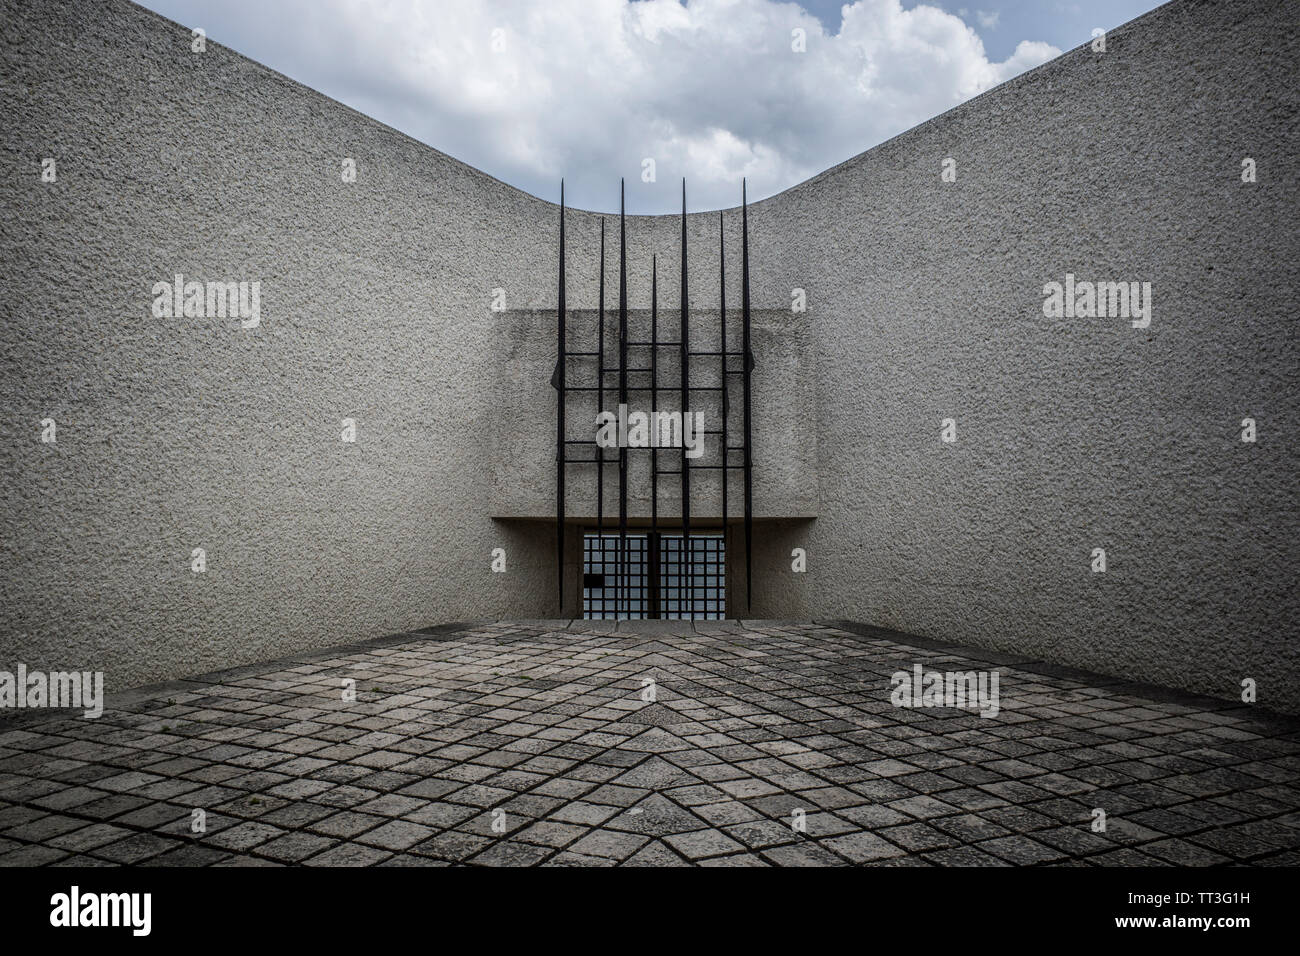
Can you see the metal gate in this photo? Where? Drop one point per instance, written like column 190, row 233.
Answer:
column 597, row 361
column 657, row 576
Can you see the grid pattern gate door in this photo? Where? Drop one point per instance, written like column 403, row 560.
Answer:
column 657, row 576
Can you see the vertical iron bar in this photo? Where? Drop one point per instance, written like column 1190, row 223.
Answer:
column 652, row 540
column 654, row 391
column 622, row 399
column 600, row 399
column 560, row 448
column 653, row 600
column 686, row 399
column 748, row 359
column 726, row 405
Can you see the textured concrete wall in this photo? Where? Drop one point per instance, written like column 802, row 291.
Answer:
column 523, row 424
column 1073, row 434
column 184, row 433
column 925, row 303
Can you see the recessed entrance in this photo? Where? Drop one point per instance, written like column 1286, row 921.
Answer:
column 658, row 575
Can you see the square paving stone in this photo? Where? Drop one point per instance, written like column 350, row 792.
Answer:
column 349, row 854
column 347, row 824
column 452, row 846
column 243, row 836
column 136, row 848
column 761, row 834
column 584, row 814
column 396, row 835
column 1020, row 850
column 609, row 844
column 510, row 853
column 703, row 843
column 295, row 847
column 802, row 854
column 654, row 854
column 861, row 847
column 567, row 858
column 551, row 833
column 655, row 816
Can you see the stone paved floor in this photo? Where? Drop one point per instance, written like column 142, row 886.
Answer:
column 540, row 729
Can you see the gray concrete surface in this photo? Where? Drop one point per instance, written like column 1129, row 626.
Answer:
column 925, row 303
column 766, row 743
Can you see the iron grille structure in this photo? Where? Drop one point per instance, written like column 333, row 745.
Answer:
column 647, row 576
column 689, row 604
column 617, row 577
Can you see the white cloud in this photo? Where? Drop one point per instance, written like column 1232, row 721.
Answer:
column 588, row 88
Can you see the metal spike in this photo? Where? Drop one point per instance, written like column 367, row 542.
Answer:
column 748, row 359
column 600, row 392
column 652, row 541
column 622, row 594
column 722, row 347
column 686, row 399
column 654, row 390
column 559, row 419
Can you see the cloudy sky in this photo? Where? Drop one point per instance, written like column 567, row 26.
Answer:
column 713, row 90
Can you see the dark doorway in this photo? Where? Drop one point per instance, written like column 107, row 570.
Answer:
column 658, row 576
